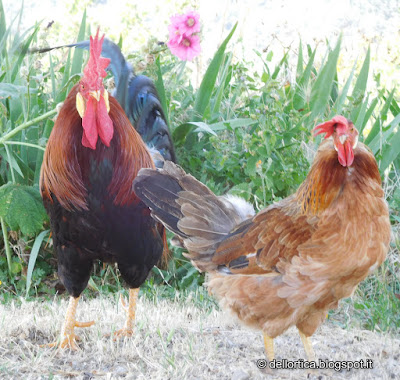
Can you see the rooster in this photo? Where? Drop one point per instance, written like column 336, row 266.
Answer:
column 293, row 261
column 138, row 97
column 92, row 156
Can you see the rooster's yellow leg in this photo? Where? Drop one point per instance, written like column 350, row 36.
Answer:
column 269, row 346
column 131, row 313
column 68, row 337
column 307, row 346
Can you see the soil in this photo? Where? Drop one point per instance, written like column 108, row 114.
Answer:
column 174, row 341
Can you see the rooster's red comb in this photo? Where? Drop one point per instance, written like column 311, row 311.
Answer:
column 342, row 124
column 94, row 72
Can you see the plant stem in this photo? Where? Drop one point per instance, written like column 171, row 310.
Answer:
column 24, row 143
column 26, row 125
column 6, row 245
column 11, row 163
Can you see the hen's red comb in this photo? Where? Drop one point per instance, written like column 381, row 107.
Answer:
column 94, row 72
column 328, row 127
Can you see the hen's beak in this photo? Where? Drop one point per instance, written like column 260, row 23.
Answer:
column 344, row 149
column 342, row 139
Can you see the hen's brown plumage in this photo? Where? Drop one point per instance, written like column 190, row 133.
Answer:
column 308, row 257
column 293, row 261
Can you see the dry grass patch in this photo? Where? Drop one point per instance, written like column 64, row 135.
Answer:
column 172, row 341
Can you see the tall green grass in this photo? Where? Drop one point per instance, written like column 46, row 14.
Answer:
column 28, row 102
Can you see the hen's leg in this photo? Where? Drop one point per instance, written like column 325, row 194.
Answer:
column 307, row 346
column 131, row 313
column 269, row 346
column 68, row 337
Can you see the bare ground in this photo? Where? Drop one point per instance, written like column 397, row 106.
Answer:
column 173, row 341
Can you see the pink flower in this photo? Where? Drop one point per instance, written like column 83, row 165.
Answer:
column 175, row 36
column 190, row 23
column 187, row 48
column 182, row 41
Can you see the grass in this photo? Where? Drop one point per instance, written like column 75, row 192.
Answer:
column 173, row 340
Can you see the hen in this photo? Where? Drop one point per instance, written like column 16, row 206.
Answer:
column 293, row 261
column 92, row 156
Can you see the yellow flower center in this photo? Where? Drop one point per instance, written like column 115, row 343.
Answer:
column 186, row 42
column 190, row 22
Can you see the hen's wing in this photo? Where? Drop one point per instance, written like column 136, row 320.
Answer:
column 257, row 245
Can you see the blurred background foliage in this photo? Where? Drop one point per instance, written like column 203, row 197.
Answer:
column 242, row 126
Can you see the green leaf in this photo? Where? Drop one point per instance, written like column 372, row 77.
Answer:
column 181, row 132
column 207, row 85
column 159, row 83
column 360, row 87
column 383, row 115
column 362, row 79
column 3, row 27
column 282, row 62
column 16, row 268
column 361, row 115
column 323, row 85
column 77, row 61
column 222, row 83
column 251, row 166
column 390, row 151
column 233, row 123
column 22, row 50
column 22, row 208
column 8, row 90
column 369, row 113
column 202, row 127
column 302, row 83
column 394, row 107
column 381, row 138
column 63, row 92
column 343, row 95
column 9, row 157
column 299, row 68
column 32, row 258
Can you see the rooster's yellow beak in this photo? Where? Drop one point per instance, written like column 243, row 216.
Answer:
column 95, row 94
column 81, row 103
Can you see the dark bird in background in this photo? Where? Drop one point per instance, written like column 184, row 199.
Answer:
column 293, row 261
column 91, row 159
column 138, row 97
